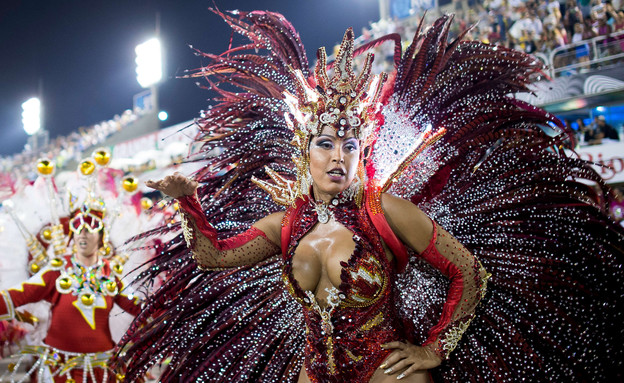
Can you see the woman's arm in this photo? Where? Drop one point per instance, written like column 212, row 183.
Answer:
column 254, row 245
column 440, row 249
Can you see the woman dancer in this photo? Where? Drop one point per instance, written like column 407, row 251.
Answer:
column 443, row 133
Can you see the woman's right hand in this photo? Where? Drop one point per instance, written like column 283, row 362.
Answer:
column 175, row 185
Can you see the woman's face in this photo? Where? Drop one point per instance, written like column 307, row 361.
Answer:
column 333, row 162
column 87, row 243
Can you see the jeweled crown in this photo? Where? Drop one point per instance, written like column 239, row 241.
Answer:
column 342, row 102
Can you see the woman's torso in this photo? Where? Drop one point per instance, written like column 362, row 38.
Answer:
column 341, row 274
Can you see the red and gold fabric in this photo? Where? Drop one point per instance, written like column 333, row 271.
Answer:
column 81, row 300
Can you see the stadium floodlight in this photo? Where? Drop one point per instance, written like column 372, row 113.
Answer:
column 149, row 62
column 31, row 116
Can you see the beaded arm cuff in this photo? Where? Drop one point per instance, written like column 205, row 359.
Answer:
column 249, row 247
column 467, row 286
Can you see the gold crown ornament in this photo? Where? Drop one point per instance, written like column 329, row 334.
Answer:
column 342, row 102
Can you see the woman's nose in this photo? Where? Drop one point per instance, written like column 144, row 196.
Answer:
column 338, row 155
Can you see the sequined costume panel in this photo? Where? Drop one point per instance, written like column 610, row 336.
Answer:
column 344, row 339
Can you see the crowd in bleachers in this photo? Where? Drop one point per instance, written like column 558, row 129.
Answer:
column 540, row 25
column 64, row 149
column 534, row 26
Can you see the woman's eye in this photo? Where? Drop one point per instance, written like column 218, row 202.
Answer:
column 324, row 145
column 351, row 147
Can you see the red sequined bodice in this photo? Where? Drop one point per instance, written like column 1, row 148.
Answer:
column 344, row 338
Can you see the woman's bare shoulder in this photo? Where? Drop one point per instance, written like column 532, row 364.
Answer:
column 271, row 225
column 393, row 205
column 407, row 221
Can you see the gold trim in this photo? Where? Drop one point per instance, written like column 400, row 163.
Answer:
column 10, row 306
column 91, row 308
column 35, row 280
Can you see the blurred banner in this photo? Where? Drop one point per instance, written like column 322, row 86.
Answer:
column 608, row 158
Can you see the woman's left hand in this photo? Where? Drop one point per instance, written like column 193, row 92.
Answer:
column 408, row 357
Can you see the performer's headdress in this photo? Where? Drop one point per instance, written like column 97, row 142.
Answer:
column 87, row 217
column 342, row 102
column 87, row 211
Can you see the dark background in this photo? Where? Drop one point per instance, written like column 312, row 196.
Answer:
column 78, row 56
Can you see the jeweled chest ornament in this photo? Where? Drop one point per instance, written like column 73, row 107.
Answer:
column 324, row 210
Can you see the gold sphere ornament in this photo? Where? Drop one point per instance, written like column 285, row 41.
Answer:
column 56, row 262
column 34, row 268
column 86, row 167
column 70, row 380
column 87, row 299
column 102, row 156
column 146, row 203
column 65, row 283
column 118, row 268
column 130, row 184
column 46, row 234
column 120, row 377
column 11, row 367
column 176, row 206
column 45, row 167
column 111, row 286
column 106, row 250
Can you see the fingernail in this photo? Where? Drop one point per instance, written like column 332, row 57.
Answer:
column 388, row 371
column 401, row 376
column 382, row 366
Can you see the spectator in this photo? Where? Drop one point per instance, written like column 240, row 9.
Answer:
column 529, row 23
column 496, row 30
column 535, row 24
column 552, row 40
column 593, row 135
column 602, row 27
column 598, row 10
column 600, row 130
column 572, row 16
column 528, row 42
column 582, row 50
column 554, row 9
column 609, row 131
column 618, row 20
column 582, row 129
column 585, row 6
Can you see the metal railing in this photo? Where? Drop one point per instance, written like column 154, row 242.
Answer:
column 601, row 51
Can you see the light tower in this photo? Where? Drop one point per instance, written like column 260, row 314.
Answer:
column 31, row 119
column 149, row 70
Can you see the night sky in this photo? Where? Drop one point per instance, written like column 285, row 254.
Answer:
column 78, row 56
